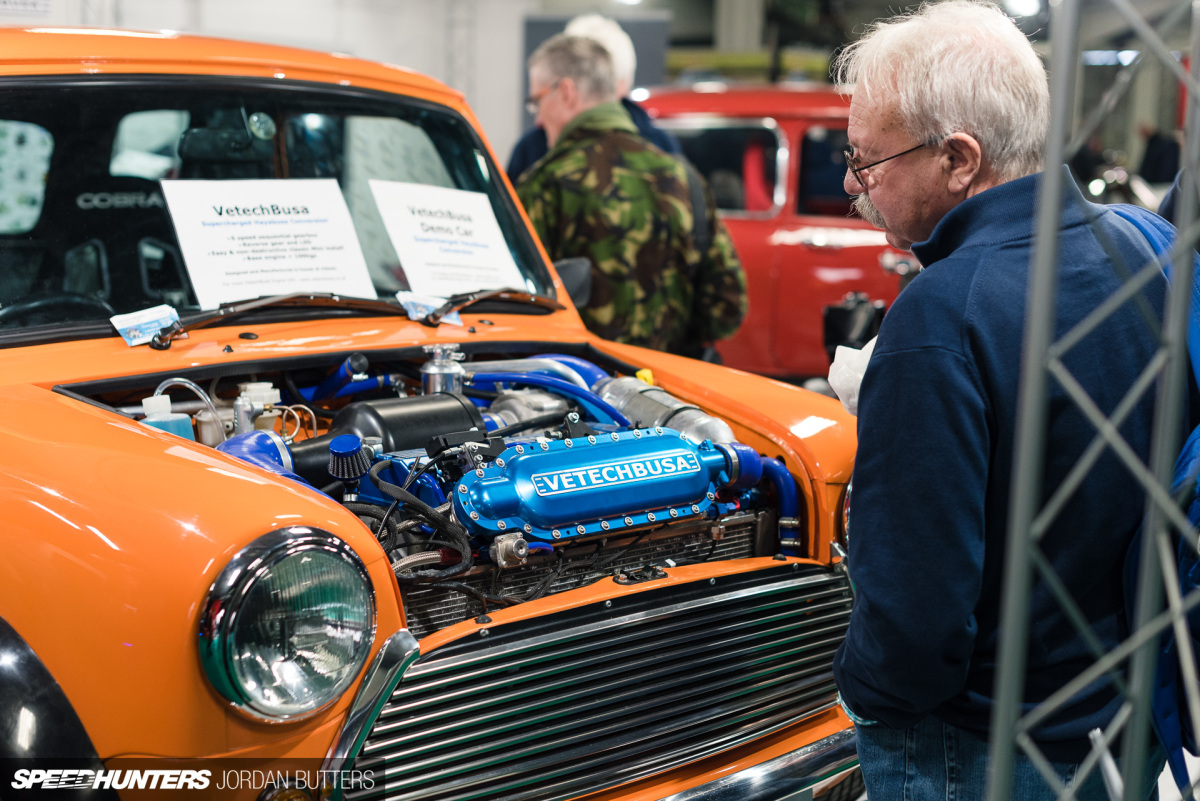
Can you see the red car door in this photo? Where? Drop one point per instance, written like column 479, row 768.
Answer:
column 822, row 253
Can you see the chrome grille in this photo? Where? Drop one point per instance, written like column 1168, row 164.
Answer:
column 428, row 610
column 593, row 697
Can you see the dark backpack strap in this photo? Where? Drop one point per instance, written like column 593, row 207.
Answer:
column 1169, row 714
column 702, row 239
column 701, row 227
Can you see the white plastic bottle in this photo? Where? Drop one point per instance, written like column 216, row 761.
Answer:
column 159, row 415
column 214, row 433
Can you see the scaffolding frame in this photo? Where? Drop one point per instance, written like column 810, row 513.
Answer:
column 1159, row 604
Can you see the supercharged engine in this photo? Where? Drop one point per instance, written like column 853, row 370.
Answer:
column 500, row 481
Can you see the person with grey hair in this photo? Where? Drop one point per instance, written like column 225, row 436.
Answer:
column 568, row 75
column 608, row 32
column 664, row 273
column 948, row 117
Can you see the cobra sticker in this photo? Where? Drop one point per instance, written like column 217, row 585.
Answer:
column 609, row 474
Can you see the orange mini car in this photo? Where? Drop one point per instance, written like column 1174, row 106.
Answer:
column 315, row 488
column 817, row 274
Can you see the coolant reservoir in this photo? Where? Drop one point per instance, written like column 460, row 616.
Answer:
column 442, row 372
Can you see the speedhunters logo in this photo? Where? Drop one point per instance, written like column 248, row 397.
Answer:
column 609, row 474
column 68, row 779
column 311, row 781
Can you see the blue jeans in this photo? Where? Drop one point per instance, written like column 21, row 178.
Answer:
column 934, row 761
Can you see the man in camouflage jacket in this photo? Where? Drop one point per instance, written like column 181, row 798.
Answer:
column 605, row 193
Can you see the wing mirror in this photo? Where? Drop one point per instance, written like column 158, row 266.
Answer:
column 576, row 275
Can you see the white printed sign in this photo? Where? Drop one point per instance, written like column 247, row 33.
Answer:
column 246, row 239
column 448, row 239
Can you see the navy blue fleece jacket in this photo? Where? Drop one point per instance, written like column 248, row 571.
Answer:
column 937, row 425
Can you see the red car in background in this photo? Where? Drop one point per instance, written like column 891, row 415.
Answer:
column 773, row 157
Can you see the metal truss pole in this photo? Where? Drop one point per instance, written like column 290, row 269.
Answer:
column 1167, row 374
column 1168, row 415
column 1031, row 410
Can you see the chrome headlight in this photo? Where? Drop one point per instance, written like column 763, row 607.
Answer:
column 288, row 624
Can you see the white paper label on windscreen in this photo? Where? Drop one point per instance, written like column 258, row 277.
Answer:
column 448, row 240
column 246, row 239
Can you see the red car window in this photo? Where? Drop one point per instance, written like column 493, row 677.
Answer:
column 822, row 168
column 737, row 158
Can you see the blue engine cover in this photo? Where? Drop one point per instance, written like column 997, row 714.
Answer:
column 560, row 489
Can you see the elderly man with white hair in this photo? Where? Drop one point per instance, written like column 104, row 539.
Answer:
column 608, row 32
column 949, row 113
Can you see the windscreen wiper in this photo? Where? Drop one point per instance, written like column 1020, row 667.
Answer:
column 466, row 299
column 227, row 311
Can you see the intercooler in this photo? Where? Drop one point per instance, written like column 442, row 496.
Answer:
column 593, row 697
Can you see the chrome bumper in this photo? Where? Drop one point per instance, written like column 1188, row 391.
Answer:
column 784, row 777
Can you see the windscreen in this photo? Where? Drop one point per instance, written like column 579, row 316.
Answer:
column 91, row 221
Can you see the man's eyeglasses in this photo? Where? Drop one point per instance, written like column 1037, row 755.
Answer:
column 855, row 168
column 533, row 103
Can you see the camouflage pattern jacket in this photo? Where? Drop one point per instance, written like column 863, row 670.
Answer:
column 605, row 193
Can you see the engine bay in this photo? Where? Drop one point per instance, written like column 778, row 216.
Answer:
column 491, row 480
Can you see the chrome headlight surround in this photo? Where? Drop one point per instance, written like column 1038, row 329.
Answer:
column 844, row 520
column 267, row 624
column 841, row 540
